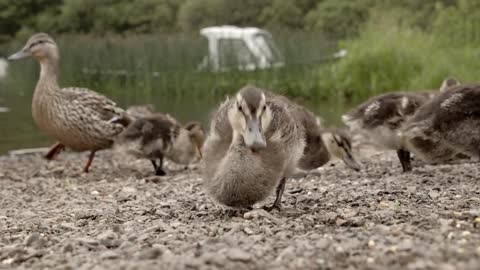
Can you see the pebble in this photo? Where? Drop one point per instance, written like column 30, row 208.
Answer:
column 150, row 253
column 34, row 240
column 109, row 255
column 236, row 254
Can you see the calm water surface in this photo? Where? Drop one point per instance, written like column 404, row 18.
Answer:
column 18, row 131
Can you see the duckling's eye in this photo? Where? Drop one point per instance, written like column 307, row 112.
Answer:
column 240, row 108
column 264, row 108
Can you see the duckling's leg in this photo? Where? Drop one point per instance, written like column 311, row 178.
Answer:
column 158, row 169
column 89, row 162
column 54, row 151
column 277, row 204
column 404, row 157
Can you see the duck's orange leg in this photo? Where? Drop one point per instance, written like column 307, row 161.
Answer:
column 89, row 162
column 54, row 151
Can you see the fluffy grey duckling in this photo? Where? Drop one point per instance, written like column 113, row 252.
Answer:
column 157, row 136
column 446, row 126
column 322, row 144
column 254, row 144
column 380, row 118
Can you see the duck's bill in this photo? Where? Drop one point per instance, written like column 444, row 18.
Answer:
column 352, row 163
column 19, row 55
column 254, row 139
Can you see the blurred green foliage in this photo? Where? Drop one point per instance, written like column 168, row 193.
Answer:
column 391, row 44
column 392, row 52
column 338, row 19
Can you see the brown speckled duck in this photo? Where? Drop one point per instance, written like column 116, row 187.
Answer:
column 380, row 118
column 78, row 118
column 157, row 136
column 446, row 126
column 254, row 144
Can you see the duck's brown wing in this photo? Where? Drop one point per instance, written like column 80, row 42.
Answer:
column 96, row 113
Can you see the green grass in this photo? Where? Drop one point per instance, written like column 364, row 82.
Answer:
column 167, row 66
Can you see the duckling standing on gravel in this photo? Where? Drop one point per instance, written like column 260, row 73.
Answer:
column 156, row 136
column 450, row 122
column 78, row 118
column 380, row 118
column 321, row 144
column 254, row 144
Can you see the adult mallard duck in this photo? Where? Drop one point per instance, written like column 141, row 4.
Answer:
column 78, row 118
column 380, row 118
column 446, row 126
column 254, row 144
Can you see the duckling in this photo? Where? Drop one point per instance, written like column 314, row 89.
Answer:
column 321, row 144
column 254, row 144
column 78, row 118
column 156, row 136
column 380, row 118
column 447, row 126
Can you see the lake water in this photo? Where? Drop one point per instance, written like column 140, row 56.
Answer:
column 18, row 131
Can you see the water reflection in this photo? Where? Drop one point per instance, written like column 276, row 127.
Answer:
column 17, row 129
column 3, row 68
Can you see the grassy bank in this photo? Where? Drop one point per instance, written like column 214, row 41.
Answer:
column 157, row 65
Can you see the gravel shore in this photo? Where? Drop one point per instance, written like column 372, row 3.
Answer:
column 120, row 216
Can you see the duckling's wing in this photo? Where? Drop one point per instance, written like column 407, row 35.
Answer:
column 218, row 141
column 452, row 108
column 388, row 109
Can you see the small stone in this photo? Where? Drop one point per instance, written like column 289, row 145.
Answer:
column 323, row 243
column 257, row 213
column 477, row 221
column 129, row 190
column 150, row 253
column 87, row 241
column 383, row 205
column 340, row 222
column 248, row 231
column 236, row 254
column 67, row 248
column 216, row 259
column 33, row 240
column 371, row 243
column 433, row 194
column 94, row 193
column 109, row 255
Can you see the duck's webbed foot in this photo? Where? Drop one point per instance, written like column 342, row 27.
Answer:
column 277, row 204
column 54, row 151
column 404, row 157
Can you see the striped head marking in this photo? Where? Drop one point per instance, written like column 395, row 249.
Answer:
column 40, row 46
column 339, row 146
column 250, row 117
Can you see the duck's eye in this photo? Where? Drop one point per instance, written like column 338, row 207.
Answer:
column 240, row 108
column 264, row 108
